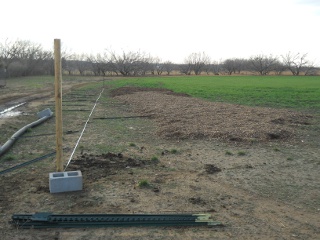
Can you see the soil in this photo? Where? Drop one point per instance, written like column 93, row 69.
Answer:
column 188, row 118
column 254, row 169
column 94, row 167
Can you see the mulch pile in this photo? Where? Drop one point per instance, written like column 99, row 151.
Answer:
column 179, row 116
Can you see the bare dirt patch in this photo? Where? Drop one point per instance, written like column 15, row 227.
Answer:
column 131, row 90
column 188, row 118
column 95, row 167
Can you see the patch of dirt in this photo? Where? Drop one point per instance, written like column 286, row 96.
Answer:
column 180, row 117
column 211, row 168
column 197, row 200
column 131, row 90
column 94, row 167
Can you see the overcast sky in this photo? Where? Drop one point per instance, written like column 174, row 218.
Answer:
column 169, row 29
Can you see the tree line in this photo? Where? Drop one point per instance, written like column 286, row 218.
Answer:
column 25, row 58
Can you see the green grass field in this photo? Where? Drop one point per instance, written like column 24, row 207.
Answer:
column 302, row 92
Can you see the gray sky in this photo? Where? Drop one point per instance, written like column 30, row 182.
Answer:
column 169, row 29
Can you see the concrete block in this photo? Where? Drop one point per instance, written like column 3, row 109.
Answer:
column 44, row 113
column 65, row 181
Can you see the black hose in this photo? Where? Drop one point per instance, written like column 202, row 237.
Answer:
column 5, row 147
column 27, row 163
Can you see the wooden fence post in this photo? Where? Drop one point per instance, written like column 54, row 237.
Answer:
column 58, row 100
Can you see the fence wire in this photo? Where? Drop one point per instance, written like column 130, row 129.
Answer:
column 85, row 125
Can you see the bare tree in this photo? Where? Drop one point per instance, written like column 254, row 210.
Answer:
column 197, row 62
column 81, row 64
column 295, row 62
column 32, row 56
column 168, row 67
column 109, row 64
column 229, row 66
column 217, row 67
column 128, row 63
column 186, row 68
column 208, row 68
column 279, row 67
column 9, row 52
column 263, row 64
column 158, row 66
column 68, row 62
column 105, row 66
column 97, row 64
column 68, row 65
column 310, row 70
column 235, row 65
column 240, row 65
column 147, row 64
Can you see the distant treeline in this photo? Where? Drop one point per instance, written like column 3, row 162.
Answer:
column 25, row 58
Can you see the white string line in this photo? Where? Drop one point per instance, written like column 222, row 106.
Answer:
column 85, row 125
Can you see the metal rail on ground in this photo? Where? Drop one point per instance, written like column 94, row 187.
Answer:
column 50, row 220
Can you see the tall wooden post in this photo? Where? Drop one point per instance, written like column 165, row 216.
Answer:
column 58, row 100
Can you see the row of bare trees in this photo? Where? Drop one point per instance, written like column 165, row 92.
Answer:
column 25, row 58
column 140, row 64
column 110, row 63
column 264, row 65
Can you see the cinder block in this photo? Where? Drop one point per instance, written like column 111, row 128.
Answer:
column 65, row 181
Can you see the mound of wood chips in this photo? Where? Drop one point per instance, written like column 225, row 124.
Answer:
column 181, row 117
